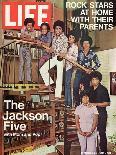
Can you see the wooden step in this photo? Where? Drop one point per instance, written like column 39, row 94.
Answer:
column 53, row 153
column 60, row 149
column 75, row 148
column 58, row 100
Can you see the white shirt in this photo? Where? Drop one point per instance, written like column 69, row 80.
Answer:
column 86, row 115
column 71, row 54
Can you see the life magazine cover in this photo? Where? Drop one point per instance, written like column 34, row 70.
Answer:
column 57, row 77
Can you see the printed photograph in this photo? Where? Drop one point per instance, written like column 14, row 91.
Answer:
column 57, row 77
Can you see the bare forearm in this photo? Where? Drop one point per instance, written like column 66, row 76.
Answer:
column 78, row 125
column 95, row 122
column 46, row 44
column 26, row 38
column 104, row 104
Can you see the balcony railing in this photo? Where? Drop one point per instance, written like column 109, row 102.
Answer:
column 9, row 63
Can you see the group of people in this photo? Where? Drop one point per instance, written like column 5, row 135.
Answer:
column 89, row 96
column 91, row 116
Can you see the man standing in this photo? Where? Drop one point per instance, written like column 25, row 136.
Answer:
column 59, row 47
column 100, row 98
column 86, row 57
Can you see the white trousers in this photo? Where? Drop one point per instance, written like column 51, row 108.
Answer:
column 88, row 144
column 44, row 71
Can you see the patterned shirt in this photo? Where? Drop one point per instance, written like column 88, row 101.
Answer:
column 31, row 33
column 60, row 44
column 71, row 54
column 46, row 38
column 86, row 60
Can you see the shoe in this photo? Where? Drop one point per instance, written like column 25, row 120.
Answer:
column 68, row 106
column 31, row 82
column 43, row 87
column 57, row 98
column 51, row 89
column 20, row 82
column 34, row 82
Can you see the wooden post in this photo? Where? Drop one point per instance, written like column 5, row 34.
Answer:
column 1, row 42
column 1, row 125
column 1, row 92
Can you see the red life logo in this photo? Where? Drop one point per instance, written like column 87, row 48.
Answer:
column 14, row 13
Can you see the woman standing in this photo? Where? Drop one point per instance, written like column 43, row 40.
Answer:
column 86, row 123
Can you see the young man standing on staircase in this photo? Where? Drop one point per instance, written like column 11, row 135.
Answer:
column 72, row 54
column 27, row 34
column 86, row 57
column 59, row 47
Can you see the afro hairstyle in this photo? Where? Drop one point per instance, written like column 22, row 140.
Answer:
column 73, row 33
column 85, row 93
column 86, row 38
column 29, row 20
column 97, row 75
column 59, row 23
column 45, row 24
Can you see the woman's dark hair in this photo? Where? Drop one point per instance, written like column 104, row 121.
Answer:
column 87, row 38
column 29, row 20
column 45, row 24
column 96, row 74
column 73, row 33
column 59, row 23
column 85, row 93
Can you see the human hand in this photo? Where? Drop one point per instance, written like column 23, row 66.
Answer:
column 88, row 71
column 82, row 133
column 62, row 55
column 28, row 36
column 81, row 86
column 24, row 38
column 88, row 134
column 93, row 104
column 49, row 50
column 39, row 42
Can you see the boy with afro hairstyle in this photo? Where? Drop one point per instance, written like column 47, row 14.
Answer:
column 27, row 34
column 72, row 54
column 86, row 57
column 59, row 47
